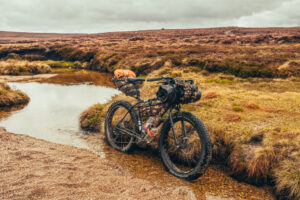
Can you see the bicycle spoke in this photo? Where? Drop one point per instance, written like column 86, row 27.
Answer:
column 120, row 123
column 184, row 156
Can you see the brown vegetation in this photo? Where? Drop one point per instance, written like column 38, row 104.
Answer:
column 17, row 67
column 244, row 52
column 9, row 97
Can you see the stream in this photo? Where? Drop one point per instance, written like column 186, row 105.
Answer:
column 53, row 115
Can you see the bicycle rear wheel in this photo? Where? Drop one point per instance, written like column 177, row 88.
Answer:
column 117, row 126
column 189, row 158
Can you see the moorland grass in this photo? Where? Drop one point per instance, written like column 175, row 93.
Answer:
column 23, row 67
column 254, row 125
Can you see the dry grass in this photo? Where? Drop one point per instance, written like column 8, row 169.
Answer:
column 262, row 134
column 232, row 117
column 210, row 95
column 259, row 136
column 288, row 178
column 92, row 118
column 9, row 97
column 18, row 67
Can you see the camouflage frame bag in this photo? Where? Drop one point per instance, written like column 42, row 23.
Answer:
column 153, row 107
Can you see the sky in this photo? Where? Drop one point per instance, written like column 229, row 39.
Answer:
column 97, row 16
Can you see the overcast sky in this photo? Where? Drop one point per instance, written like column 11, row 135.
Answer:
column 95, row 16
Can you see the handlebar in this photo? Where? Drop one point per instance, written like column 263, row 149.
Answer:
column 155, row 79
column 130, row 79
column 167, row 79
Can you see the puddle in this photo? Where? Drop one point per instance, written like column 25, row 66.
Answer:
column 53, row 115
column 53, row 111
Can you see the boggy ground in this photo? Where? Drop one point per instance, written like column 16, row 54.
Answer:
column 253, row 123
column 64, row 172
column 244, row 52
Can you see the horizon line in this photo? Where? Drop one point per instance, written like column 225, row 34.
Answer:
column 85, row 33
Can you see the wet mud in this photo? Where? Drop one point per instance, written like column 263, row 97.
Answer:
column 146, row 164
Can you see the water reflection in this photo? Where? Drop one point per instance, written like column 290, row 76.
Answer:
column 53, row 111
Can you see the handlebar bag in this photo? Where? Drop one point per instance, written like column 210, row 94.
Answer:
column 120, row 81
column 187, row 92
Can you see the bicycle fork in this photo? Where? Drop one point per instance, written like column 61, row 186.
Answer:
column 178, row 144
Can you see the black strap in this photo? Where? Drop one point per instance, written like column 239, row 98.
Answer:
column 134, row 93
column 129, row 88
column 151, row 109
column 126, row 83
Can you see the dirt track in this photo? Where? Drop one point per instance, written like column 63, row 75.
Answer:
column 35, row 169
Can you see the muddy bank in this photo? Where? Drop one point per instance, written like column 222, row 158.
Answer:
column 27, row 78
column 80, row 76
column 35, row 169
column 215, row 184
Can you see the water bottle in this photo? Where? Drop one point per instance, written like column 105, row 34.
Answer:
column 149, row 130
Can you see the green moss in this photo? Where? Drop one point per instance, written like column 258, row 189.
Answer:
column 3, row 92
column 221, row 81
column 60, row 64
column 90, row 120
column 237, row 108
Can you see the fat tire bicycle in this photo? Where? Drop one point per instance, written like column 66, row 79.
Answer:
column 184, row 142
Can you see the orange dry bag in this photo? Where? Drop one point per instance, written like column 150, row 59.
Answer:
column 124, row 72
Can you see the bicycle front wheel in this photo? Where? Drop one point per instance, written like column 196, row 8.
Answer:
column 119, row 122
column 189, row 156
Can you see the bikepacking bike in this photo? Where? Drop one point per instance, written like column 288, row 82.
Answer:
column 184, row 143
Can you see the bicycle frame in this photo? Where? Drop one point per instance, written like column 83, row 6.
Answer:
column 138, row 135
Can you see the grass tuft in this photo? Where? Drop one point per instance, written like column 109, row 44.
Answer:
column 18, row 67
column 9, row 97
column 91, row 119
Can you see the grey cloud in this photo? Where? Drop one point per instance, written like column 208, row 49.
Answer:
column 121, row 15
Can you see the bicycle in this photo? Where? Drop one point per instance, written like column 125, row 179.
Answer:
column 184, row 143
